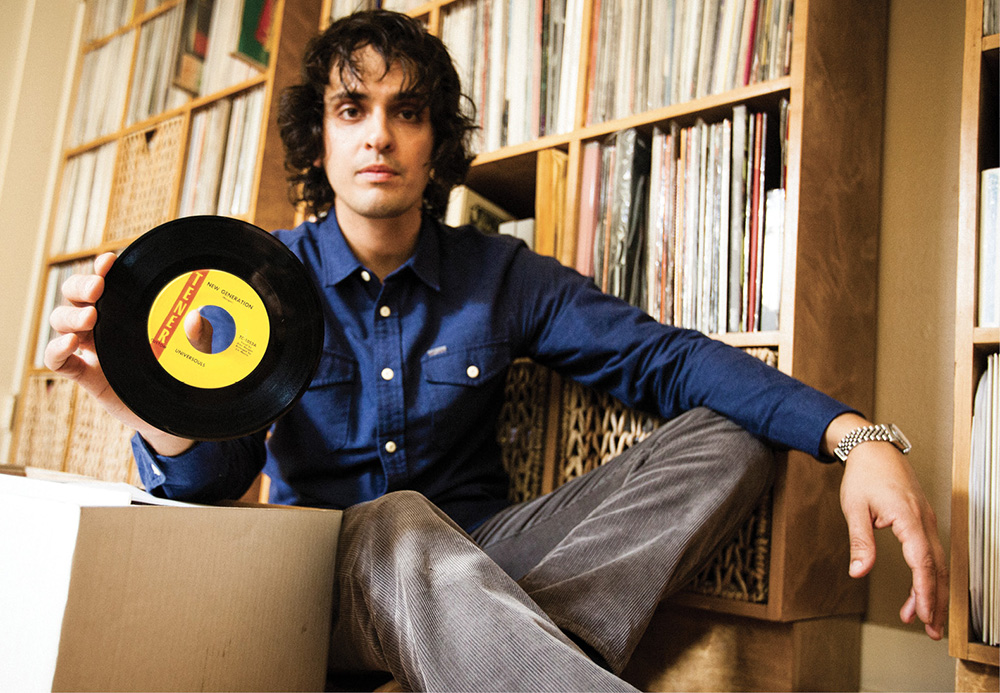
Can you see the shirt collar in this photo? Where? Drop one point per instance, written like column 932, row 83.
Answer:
column 339, row 261
column 426, row 261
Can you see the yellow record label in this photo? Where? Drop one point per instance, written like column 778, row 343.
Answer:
column 239, row 335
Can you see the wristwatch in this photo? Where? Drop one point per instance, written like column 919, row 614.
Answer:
column 888, row 433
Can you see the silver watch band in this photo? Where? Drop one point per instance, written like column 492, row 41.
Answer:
column 888, row 433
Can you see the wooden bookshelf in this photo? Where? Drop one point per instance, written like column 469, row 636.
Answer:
column 835, row 90
column 53, row 427
column 977, row 662
column 826, row 337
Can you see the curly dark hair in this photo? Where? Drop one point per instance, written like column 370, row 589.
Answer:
column 427, row 70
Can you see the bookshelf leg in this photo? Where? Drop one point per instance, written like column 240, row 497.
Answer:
column 975, row 677
column 687, row 649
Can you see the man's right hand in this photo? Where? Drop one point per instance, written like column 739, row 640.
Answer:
column 72, row 354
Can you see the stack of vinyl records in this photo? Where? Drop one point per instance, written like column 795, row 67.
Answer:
column 984, row 508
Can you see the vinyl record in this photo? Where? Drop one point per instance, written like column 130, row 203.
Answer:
column 254, row 363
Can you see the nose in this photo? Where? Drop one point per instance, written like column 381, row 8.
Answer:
column 379, row 136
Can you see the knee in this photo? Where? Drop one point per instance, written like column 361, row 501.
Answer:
column 399, row 526
column 744, row 448
column 723, row 450
column 759, row 465
column 396, row 503
column 750, row 459
column 402, row 541
column 397, row 514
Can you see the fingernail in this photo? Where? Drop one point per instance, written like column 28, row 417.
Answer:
column 855, row 565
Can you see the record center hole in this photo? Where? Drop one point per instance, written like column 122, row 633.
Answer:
column 210, row 329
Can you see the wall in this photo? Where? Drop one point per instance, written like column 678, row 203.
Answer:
column 36, row 58
column 916, row 298
column 916, row 312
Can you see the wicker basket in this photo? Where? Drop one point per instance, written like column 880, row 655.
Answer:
column 145, row 180
column 521, row 430
column 595, row 428
column 98, row 444
column 46, row 413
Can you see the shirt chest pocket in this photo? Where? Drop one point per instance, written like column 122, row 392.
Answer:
column 329, row 401
column 465, row 384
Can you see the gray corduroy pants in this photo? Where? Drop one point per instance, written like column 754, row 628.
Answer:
column 509, row 608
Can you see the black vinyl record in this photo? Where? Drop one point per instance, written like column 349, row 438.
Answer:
column 264, row 309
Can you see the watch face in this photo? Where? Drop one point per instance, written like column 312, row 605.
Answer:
column 904, row 441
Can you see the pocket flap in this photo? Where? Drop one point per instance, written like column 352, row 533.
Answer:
column 334, row 368
column 468, row 366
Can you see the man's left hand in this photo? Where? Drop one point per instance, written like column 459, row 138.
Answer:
column 880, row 490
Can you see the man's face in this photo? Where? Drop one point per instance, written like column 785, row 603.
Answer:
column 378, row 143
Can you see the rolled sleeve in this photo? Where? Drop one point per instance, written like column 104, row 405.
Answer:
column 150, row 473
column 205, row 473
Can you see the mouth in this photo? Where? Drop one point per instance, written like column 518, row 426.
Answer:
column 377, row 172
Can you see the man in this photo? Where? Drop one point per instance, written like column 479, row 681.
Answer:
column 397, row 427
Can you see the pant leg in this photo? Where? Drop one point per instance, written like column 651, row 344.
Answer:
column 600, row 552
column 419, row 599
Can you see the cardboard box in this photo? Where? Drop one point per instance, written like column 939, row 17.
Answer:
column 97, row 593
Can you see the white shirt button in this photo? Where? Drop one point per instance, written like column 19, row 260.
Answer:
column 385, row 311
column 366, row 276
column 390, row 446
column 472, row 371
column 387, row 374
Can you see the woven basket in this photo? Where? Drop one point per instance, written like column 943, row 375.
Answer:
column 521, row 429
column 98, row 444
column 47, row 410
column 145, row 179
column 595, row 428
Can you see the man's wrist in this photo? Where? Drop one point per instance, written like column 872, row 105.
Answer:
column 886, row 433
column 165, row 444
column 837, row 429
column 850, row 430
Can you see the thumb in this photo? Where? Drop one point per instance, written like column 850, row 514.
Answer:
column 862, row 536
column 198, row 331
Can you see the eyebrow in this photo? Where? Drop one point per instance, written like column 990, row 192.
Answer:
column 355, row 95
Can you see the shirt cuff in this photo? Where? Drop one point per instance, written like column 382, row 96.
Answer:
column 146, row 460
column 153, row 467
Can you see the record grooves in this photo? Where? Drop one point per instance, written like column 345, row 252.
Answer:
column 268, row 331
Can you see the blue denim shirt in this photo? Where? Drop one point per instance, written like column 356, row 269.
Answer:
column 411, row 379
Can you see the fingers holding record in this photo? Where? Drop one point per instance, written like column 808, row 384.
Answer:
column 193, row 327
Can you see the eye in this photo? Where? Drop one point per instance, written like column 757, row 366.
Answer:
column 412, row 114
column 348, row 112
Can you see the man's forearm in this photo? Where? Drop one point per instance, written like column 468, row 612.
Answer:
column 838, row 428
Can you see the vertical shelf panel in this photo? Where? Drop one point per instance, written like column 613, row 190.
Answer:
column 977, row 666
